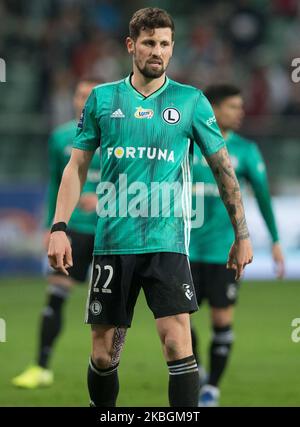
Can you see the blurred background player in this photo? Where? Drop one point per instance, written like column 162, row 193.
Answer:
column 81, row 234
column 210, row 243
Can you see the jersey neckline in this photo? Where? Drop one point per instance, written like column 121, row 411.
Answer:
column 139, row 95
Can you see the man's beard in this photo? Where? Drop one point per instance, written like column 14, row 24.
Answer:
column 150, row 73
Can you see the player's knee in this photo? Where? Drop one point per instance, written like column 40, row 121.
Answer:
column 106, row 355
column 173, row 347
column 222, row 317
column 101, row 352
column 57, row 295
column 101, row 358
column 58, row 291
column 220, row 322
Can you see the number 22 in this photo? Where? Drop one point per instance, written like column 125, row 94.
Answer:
column 104, row 288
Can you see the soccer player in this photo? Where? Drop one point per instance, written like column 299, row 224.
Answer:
column 81, row 234
column 210, row 243
column 146, row 126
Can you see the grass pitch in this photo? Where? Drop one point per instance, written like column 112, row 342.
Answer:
column 263, row 370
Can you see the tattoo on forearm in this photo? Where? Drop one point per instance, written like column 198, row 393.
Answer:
column 229, row 191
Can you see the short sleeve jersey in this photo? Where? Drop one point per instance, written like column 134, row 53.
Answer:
column 146, row 149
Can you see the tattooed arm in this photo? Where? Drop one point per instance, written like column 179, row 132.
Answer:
column 229, row 189
column 241, row 252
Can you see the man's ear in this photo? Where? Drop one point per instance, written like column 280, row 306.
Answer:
column 130, row 45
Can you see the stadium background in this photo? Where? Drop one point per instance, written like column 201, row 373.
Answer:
column 47, row 45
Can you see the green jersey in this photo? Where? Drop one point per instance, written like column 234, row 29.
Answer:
column 145, row 159
column 211, row 242
column 60, row 146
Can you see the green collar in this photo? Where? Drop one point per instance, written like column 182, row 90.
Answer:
column 140, row 96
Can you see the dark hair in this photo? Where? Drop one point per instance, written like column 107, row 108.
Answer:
column 150, row 18
column 218, row 93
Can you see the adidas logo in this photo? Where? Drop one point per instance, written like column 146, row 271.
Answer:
column 118, row 114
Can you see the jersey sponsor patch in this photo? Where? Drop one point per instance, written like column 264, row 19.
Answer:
column 152, row 153
column 80, row 123
column 171, row 116
column 211, row 120
column 143, row 113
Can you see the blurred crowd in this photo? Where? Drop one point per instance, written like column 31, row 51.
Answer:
column 49, row 44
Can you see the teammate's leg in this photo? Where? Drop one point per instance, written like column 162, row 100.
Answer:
column 221, row 343
column 197, row 354
column 174, row 332
column 39, row 375
column 52, row 316
column 219, row 352
column 51, row 323
column 222, row 297
column 58, row 292
column 102, row 378
column 221, row 291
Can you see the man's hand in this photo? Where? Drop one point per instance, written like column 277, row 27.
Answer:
column 60, row 252
column 279, row 260
column 88, row 202
column 240, row 255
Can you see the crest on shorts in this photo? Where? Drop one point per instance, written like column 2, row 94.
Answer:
column 96, row 307
column 231, row 291
column 187, row 291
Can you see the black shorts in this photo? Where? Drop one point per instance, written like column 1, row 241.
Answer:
column 215, row 283
column 117, row 279
column 82, row 252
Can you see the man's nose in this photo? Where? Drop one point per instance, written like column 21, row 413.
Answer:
column 156, row 51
